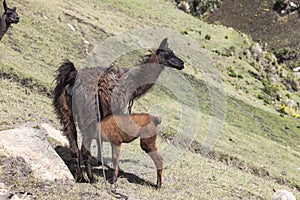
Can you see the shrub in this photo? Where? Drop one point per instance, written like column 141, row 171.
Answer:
column 207, row 37
column 260, row 96
column 217, row 52
column 269, row 88
column 231, row 72
column 283, row 109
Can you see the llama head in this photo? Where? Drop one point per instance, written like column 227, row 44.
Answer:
column 11, row 14
column 167, row 57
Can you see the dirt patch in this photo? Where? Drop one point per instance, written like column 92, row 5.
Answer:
column 259, row 20
column 14, row 170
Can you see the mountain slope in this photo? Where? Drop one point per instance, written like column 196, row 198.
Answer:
column 257, row 150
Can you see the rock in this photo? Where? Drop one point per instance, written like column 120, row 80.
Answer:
column 286, row 7
column 184, row 6
column 290, row 103
column 296, row 69
column 256, row 51
column 4, row 192
column 293, row 5
column 32, row 145
column 71, row 27
column 55, row 134
column 283, row 195
column 86, row 42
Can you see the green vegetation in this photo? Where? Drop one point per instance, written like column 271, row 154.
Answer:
column 207, row 37
column 256, row 151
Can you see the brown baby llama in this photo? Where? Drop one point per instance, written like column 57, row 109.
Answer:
column 118, row 129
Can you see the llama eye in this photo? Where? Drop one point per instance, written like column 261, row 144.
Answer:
column 170, row 55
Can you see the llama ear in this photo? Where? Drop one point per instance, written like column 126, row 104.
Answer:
column 14, row 9
column 5, row 6
column 164, row 44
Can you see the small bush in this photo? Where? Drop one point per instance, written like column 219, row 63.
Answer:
column 284, row 110
column 231, row 72
column 217, row 52
column 207, row 37
column 184, row 32
column 269, row 88
column 260, row 96
column 266, row 101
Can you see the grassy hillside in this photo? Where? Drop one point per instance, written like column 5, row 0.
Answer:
column 257, row 149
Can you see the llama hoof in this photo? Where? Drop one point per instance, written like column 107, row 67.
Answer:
column 114, row 190
column 158, row 187
column 81, row 180
column 94, row 180
column 111, row 181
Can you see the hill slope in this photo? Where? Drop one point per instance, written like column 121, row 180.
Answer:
column 257, row 150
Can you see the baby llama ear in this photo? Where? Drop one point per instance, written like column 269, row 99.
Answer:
column 157, row 119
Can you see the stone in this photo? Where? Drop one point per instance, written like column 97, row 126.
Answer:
column 283, row 195
column 55, row 134
column 31, row 144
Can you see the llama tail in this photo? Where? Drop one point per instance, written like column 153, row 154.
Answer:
column 156, row 119
column 62, row 95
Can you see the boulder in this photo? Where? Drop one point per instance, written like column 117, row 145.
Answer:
column 31, row 144
column 55, row 134
column 283, row 195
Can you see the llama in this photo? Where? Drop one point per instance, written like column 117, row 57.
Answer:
column 10, row 16
column 111, row 90
column 118, row 129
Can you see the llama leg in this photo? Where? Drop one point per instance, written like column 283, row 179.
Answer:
column 86, row 155
column 158, row 160
column 149, row 146
column 71, row 134
column 115, row 158
column 100, row 149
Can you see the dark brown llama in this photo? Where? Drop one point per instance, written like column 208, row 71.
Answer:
column 77, row 92
column 10, row 16
column 118, row 129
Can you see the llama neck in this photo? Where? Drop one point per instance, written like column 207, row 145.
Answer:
column 144, row 77
column 3, row 26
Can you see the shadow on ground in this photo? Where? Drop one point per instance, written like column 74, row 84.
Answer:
column 65, row 154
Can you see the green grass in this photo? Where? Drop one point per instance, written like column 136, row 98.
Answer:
column 20, row 105
column 257, row 150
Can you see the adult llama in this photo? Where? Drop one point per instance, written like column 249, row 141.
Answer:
column 91, row 94
column 10, row 16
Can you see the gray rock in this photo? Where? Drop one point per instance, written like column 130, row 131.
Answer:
column 32, row 145
column 256, row 51
column 55, row 134
column 283, row 195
